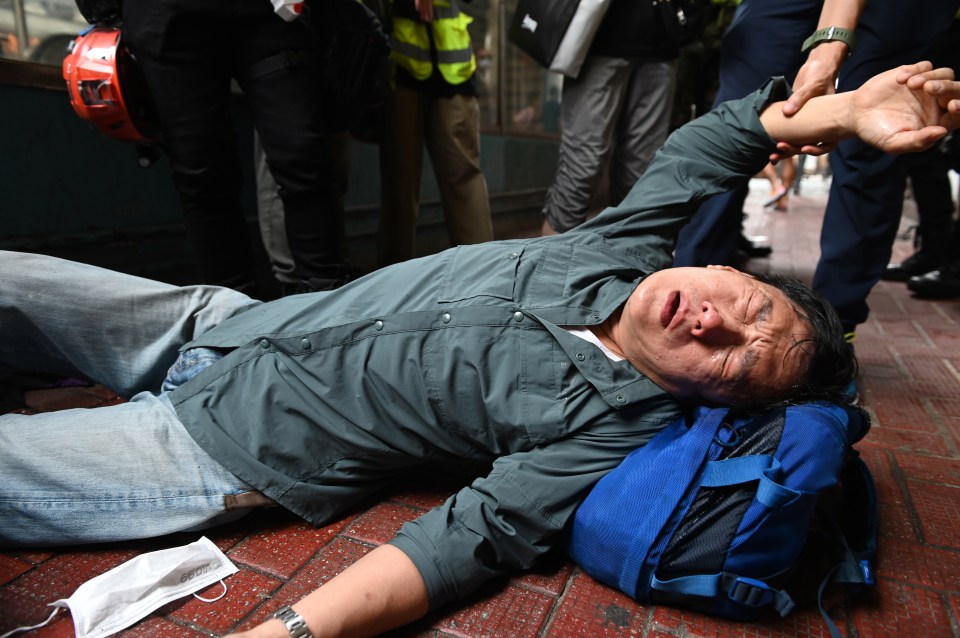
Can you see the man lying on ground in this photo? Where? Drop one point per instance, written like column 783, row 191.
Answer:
column 543, row 361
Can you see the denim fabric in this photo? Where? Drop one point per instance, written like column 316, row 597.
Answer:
column 189, row 364
column 105, row 474
column 118, row 472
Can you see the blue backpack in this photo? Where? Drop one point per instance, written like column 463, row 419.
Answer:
column 717, row 512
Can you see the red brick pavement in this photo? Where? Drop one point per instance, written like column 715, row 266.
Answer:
column 910, row 353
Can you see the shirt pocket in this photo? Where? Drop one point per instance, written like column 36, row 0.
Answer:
column 482, row 270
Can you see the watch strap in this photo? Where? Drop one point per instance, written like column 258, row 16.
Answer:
column 293, row 621
column 828, row 34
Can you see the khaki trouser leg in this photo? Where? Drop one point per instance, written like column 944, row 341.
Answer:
column 453, row 140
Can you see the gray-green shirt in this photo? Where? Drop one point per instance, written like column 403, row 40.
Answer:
column 462, row 357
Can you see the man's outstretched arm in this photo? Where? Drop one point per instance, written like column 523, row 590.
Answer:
column 907, row 109
column 903, row 110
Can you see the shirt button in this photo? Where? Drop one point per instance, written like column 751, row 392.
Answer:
column 378, row 325
column 518, row 316
column 445, row 317
column 513, row 256
column 305, row 344
column 620, row 399
column 580, row 356
column 264, row 344
column 596, row 316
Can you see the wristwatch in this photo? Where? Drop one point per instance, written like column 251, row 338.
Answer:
column 293, row 621
column 826, row 35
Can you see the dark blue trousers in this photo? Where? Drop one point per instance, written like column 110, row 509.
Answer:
column 866, row 193
column 763, row 40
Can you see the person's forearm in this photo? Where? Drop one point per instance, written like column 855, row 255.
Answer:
column 903, row 110
column 379, row 592
column 818, row 75
column 824, row 119
column 842, row 14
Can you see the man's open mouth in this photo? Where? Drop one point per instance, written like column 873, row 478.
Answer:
column 670, row 308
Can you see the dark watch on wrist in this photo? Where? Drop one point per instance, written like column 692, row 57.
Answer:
column 293, row 621
column 828, row 34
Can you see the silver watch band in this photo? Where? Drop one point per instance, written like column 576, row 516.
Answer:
column 293, row 621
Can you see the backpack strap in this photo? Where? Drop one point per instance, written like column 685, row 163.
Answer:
column 745, row 591
column 854, row 567
column 700, row 437
column 755, row 467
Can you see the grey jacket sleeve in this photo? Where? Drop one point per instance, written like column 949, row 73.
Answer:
column 509, row 518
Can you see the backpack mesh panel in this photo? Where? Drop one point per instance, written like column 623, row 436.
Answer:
column 701, row 541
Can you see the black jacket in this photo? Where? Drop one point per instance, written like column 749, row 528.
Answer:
column 632, row 29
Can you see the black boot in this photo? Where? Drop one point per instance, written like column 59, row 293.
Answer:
column 752, row 249
column 917, row 264
column 935, row 209
column 938, row 284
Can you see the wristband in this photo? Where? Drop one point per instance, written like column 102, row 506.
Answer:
column 828, row 34
column 293, row 621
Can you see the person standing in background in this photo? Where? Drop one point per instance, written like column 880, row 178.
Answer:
column 615, row 113
column 189, row 51
column 435, row 105
column 747, row 57
column 866, row 191
column 272, row 220
column 937, row 239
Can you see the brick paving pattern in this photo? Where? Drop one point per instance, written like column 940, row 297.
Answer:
column 910, row 383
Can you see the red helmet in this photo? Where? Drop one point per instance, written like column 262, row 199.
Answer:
column 106, row 86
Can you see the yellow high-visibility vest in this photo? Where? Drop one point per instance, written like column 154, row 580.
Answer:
column 410, row 44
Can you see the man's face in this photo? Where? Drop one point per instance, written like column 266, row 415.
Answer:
column 713, row 334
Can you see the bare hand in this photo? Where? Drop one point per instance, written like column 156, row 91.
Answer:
column 817, row 76
column 943, row 89
column 425, row 9
column 906, row 109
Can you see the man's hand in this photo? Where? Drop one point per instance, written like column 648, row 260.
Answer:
column 817, row 76
column 425, row 9
column 906, row 109
column 944, row 90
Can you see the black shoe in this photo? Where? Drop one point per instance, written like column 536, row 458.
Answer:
column 938, row 284
column 752, row 250
column 917, row 264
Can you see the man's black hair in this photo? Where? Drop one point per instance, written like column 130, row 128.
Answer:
column 831, row 364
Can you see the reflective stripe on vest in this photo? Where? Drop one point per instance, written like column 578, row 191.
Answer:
column 410, row 44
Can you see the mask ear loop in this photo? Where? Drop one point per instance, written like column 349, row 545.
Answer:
column 56, row 610
column 32, row 627
column 206, row 600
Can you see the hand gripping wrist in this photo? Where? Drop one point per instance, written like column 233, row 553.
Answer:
column 830, row 34
column 293, row 621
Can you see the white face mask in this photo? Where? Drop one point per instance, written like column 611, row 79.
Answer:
column 115, row 600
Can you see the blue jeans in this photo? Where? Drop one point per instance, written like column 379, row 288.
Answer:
column 111, row 473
